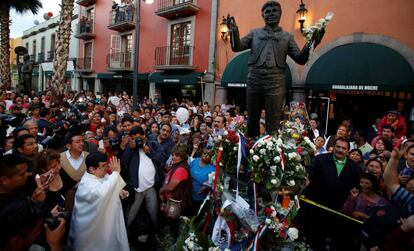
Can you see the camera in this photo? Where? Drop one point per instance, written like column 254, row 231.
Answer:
column 53, row 221
column 139, row 142
column 113, row 142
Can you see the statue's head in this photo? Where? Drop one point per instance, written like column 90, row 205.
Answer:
column 271, row 13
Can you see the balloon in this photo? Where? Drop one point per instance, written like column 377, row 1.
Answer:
column 46, row 16
column 50, row 14
column 182, row 115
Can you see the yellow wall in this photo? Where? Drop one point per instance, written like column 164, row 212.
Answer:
column 377, row 17
column 14, row 42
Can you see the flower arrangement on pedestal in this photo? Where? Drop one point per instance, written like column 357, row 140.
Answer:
column 228, row 146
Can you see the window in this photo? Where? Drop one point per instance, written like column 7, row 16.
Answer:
column 180, row 43
column 52, row 42
column 87, row 59
column 33, row 50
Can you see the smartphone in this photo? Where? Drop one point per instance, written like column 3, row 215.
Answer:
column 38, row 181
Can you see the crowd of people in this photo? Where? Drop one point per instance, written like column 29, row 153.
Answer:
column 93, row 173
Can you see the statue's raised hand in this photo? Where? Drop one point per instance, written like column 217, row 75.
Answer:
column 231, row 23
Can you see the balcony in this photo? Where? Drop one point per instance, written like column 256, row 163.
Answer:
column 83, row 65
column 50, row 56
column 120, row 61
column 40, row 57
column 85, row 3
column 84, row 29
column 122, row 19
column 173, row 9
column 174, row 58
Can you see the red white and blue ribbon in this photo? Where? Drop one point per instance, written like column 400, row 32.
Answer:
column 254, row 244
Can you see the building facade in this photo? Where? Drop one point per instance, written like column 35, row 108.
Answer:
column 14, row 42
column 363, row 67
column 40, row 44
column 173, row 46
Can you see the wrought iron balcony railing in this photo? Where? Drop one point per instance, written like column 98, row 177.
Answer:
column 84, row 29
column 122, row 19
column 83, row 64
column 50, row 56
column 171, row 57
column 173, row 9
column 120, row 61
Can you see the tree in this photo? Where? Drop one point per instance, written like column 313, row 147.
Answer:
column 60, row 60
column 21, row 7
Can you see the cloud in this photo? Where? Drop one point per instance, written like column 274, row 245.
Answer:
column 23, row 22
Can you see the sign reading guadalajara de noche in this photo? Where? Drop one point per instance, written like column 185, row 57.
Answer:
column 356, row 87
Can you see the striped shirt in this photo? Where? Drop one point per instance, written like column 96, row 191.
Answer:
column 403, row 198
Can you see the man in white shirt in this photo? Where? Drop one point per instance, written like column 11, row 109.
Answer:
column 97, row 218
column 145, row 175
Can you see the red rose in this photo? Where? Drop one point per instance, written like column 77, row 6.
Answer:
column 305, row 133
column 268, row 211
column 299, row 150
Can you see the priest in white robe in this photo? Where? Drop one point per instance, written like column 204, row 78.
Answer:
column 97, row 218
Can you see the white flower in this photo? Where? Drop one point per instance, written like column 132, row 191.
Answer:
column 273, row 213
column 292, row 233
column 256, row 158
column 235, row 148
column 225, row 132
column 276, row 159
column 262, row 151
column 251, row 151
column 190, row 245
column 291, row 183
column 220, row 148
column 273, row 168
column 219, row 137
column 273, row 181
column 268, row 221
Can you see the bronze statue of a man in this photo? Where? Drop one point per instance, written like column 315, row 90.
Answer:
column 26, row 73
column 269, row 47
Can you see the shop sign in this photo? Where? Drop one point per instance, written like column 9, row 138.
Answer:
column 171, row 80
column 356, row 87
column 236, row 85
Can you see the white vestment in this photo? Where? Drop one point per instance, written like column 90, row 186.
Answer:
column 97, row 217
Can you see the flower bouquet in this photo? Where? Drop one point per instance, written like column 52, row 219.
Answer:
column 311, row 31
column 226, row 147
column 275, row 162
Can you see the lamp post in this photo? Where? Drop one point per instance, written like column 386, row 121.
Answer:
column 136, row 55
column 224, row 30
column 301, row 12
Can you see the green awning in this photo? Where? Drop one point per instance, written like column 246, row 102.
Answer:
column 188, row 78
column 363, row 67
column 112, row 75
column 235, row 74
column 68, row 74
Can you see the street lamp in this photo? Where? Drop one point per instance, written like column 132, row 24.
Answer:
column 136, row 55
column 301, row 12
column 224, row 29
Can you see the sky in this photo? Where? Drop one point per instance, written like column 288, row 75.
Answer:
column 23, row 22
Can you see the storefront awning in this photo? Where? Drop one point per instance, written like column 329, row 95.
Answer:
column 68, row 74
column 47, row 69
column 190, row 78
column 112, row 75
column 235, row 74
column 362, row 67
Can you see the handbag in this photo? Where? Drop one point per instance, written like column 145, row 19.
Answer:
column 172, row 209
